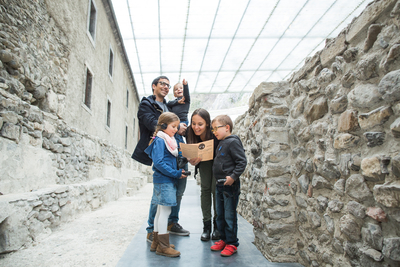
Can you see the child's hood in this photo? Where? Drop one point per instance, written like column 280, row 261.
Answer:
column 150, row 148
column 233, row 136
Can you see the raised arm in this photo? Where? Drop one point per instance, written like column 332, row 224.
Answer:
column 186, row 93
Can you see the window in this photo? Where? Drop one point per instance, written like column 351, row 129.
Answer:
column 111, row 63
column 88, row 88
column 92, row 17
column 127, row 97
column 108, row 113
column 126, row 136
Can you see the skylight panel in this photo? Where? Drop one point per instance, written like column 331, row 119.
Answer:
column 237, row 53
column 193, row 57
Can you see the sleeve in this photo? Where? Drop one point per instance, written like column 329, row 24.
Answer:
column 239, row 158
column 172, row 103
column 148, row 115
column 186, row 93
column 160, row 164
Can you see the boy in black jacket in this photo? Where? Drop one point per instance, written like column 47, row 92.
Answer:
column 229, row 163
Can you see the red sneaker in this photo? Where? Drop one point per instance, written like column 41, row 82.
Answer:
column 218, row 246
column 229, row 250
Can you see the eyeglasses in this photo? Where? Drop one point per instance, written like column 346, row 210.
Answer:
column 216, row 128
column 165, row 84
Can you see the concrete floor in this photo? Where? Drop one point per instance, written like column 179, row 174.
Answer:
column 195, row 252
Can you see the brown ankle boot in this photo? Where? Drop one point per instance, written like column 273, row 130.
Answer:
column 155, row 242
column 164, row 248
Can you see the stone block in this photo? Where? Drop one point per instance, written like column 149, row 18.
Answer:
column 372, row 253
column 348, row 79
column 371, row 169
column 388, row 194
column 338, row 104
column 337, row 246
column 316, row 110
column 278, row 186
column 277, row 215
column 374, row 118
column 315, row 219
column 14, row 231
column 301, row 202
column 11, row 131
column 319, row 182
column 357, row 188
column 366, row 68
column 372, row 236
column 396, row 166
column 333, row 49
column 389, row 87
column 304, row 181
column 335, row 206
column 356, row 209
column 345, row 141
column 365, row 96
column 280, row 229
column 266, row 89
column 358, row 28
column 374, row 138
column 327, row 170
column 348, row 121
column 350, row 227
column 395, row 128
column 372, row 36
column 339, row 186
column 391, row 248
column 377, row 214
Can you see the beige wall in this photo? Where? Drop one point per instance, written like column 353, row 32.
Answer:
column 95, row 55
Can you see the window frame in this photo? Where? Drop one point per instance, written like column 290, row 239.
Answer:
column 111, row 60
column 85, row 89
column 92, row 38
column 127, row 98
column 108, row 113
column 126, row 135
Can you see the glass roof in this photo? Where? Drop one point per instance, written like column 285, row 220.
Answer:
column 226, row 46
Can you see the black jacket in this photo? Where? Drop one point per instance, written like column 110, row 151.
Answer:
column 230, row 159
column 148, row 114
column 181, row 110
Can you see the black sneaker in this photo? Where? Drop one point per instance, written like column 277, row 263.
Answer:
column 177, row 229
column 150, row 237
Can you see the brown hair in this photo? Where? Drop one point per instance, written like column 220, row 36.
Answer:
column 225, row 120
column 163, row 121
column 191, row 138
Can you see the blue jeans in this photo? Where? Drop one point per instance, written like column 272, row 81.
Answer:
column 227, row 199
column 174, row 216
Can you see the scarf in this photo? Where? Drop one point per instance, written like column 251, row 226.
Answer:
column 170, row 143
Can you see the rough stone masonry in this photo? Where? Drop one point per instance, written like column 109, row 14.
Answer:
column 50, row 172
column 322, row 186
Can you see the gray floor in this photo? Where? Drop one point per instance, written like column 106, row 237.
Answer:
column 195, row 252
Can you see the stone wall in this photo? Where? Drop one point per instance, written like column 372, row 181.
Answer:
column 322, row 186
column 57, row 158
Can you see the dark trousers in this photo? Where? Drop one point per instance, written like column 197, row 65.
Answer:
column 227, row 198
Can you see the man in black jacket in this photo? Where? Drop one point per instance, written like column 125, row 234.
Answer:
column 150, row 109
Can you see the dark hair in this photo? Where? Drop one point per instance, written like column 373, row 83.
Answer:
column 225, row 120
column 191, row 138
column 156, row 80
column 164, row 119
